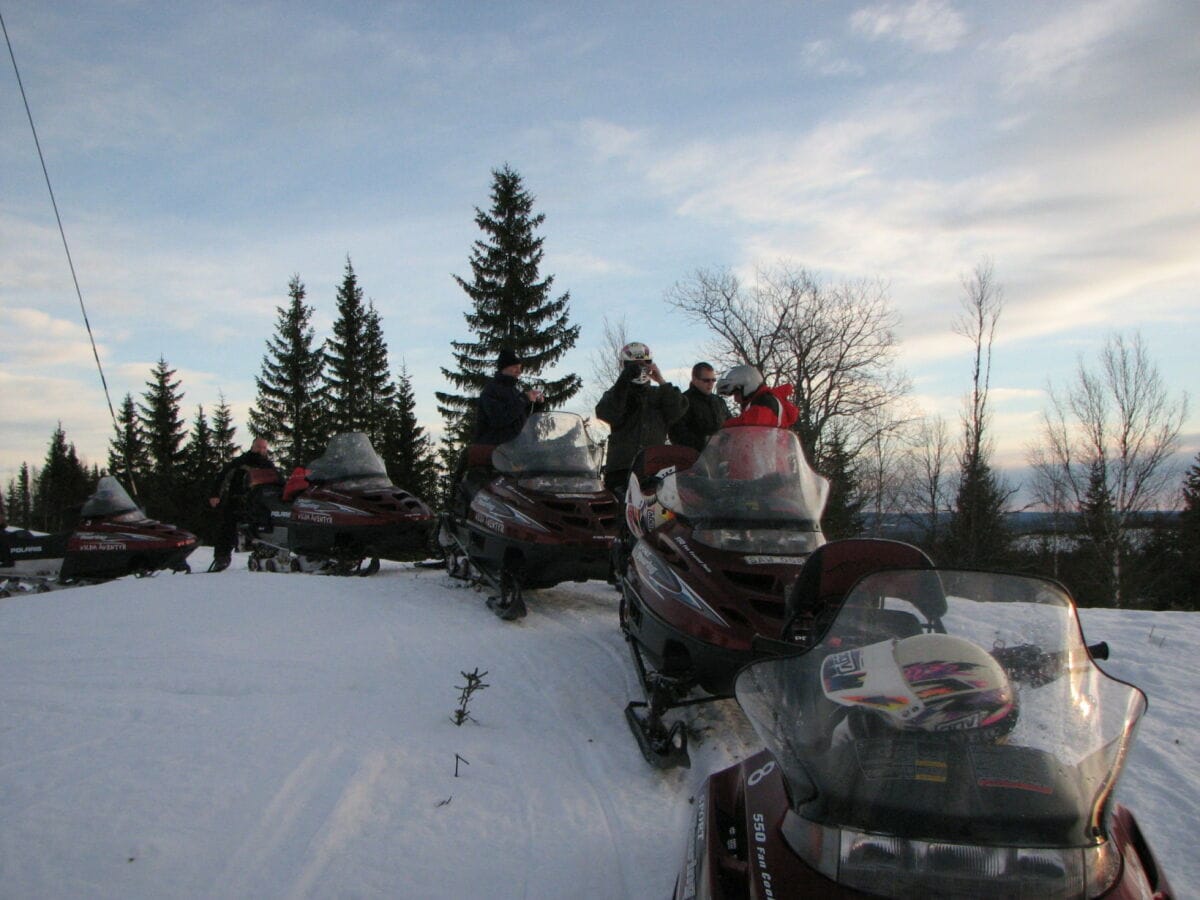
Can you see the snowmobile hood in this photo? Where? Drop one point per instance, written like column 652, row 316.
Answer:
column 1044, row 781
column 550, row 443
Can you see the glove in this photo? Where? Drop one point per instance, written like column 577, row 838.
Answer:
column 630, row 371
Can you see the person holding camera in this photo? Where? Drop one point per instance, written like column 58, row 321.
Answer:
column 638, row 408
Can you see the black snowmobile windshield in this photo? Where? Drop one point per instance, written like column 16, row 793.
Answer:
column 1042, row 779
column 750, row 476
column 109, row 500
column 349, row 457
column 551, row 443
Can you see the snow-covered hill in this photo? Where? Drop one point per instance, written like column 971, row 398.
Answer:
column 242, row 735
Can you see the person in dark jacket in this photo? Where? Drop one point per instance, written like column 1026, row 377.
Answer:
column 500, row 413
column 229, row 491
column 638, row 412
column 706, row 411
column 502, row 407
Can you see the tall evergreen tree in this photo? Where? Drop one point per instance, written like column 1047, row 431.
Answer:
column 223, row 430
column 200, row 465
column 162, row 424
column 842, row 517
column 354, row 382
column 288, row 410
column 406, row 449
column 378, row 389
column 128, row 458
column 1188, row 540
column 511, row 307
column 20, row 509
column 62, row 486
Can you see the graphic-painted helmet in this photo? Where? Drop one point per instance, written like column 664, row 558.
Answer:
column 746, row 379
column 636, row 352
column 929, row 682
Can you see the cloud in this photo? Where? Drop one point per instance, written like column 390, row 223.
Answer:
column 821, row 57
column 1059, row 51
column 932, row 26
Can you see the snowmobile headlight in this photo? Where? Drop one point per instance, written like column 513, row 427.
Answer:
column 888, row 866
column 562, row 484
column 769, row 541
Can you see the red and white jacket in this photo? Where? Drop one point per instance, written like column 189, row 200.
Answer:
column 767, row 406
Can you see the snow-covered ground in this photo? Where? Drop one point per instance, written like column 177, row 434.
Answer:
column 254, row 735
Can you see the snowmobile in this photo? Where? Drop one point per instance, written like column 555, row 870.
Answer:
column 112, row 538
column 708, row 557
column 533, row 513
column 949, row 735
column 347, row 517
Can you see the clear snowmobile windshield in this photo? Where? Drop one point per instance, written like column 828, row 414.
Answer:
column 349, row 457
column 1041, row 782
column 551, row 443
column 749, row 475
column 109, row 499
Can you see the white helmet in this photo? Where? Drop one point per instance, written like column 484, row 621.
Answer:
column 746, row 379
column 928, row 682
column 636, row 352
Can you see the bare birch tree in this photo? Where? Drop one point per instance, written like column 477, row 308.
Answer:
column 1111, row 433
column 835, row 345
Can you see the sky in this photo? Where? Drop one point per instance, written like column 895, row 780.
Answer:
column 202, row 154
column 253, row 735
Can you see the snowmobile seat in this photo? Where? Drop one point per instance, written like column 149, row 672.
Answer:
column 832, row 571
column 650, row 461
column 480, row 456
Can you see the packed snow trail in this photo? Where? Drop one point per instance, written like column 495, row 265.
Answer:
column 257, row 735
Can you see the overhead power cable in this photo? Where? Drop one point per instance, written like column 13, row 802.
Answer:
column 58, row 218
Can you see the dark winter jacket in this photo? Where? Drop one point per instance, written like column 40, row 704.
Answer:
column 706, row 413
column 768, row 406
column 231, row 483
column 639, row 415
column 501, row 411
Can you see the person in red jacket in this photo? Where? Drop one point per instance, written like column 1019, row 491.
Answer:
column 760, row 404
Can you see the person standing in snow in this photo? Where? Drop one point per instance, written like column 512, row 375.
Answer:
column 706, row 412
column 638, row 412
column 228, row 495
column 760, row 404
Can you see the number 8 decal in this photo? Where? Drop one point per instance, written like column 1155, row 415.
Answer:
column 759, row 774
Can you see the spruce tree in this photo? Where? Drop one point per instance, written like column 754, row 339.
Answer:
column 128, row 459
column 223, row 430
column 379, row 393
column 976, row 535
column 163, row 427
column 355, row 379
column 288, row 410
column 406, row 449
column 511, row 307
column 20, row 508
column 200, row 466
column 1098, row 528
column 1188, row 540
column 842, row 517
column 62, row 486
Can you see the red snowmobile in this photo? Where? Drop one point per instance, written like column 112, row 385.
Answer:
column 348, row 517
column 948, row 735
column 112, row 538
column 537, row 515
column 705, row 567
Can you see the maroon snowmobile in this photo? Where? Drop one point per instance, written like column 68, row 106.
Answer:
column 537, row 514
column 112, row 538
column 347, row 518
column 705, row 566
column 948, row 735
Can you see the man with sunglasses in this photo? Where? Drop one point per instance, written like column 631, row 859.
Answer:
column 706, row 412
